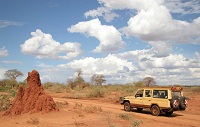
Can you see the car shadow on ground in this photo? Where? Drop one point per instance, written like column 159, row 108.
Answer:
column 148, row 112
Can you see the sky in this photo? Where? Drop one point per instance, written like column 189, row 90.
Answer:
column 125, row 40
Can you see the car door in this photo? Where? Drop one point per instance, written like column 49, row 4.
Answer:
column 137, row 101
column 147, row 98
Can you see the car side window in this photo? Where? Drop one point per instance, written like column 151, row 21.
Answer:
column 139, row 93
column 147, row 93
column 160, row 94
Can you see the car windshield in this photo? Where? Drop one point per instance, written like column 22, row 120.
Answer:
column 176, row 93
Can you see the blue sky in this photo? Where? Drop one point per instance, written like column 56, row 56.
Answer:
column 125, row 40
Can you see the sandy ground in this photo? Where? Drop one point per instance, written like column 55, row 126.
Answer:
column 101, row 113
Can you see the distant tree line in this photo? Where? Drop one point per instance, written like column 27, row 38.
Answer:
column 78, row 81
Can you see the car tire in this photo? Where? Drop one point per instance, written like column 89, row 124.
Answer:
column 127, row 107
column 174, row 103
column 155, row 110
column 182, row 104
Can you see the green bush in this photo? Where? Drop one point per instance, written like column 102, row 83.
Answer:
column 56, row 87
column 5, row 102
column 13, row 93
column 2, row 84
column 97, row 92
column 11, row 83
column 4, row 89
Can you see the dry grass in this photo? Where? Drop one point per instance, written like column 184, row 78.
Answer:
column 124, row 116
column 33, row 121
column 78, row 106
column 62, row 104
column 92, row 109
column 195, row 89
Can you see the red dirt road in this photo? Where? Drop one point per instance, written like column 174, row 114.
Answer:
column 74, row 114
column 179, row 118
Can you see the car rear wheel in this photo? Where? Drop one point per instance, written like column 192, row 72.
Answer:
column 127, row 107
column 182, row 104
column 155, row 110
column 174, row 103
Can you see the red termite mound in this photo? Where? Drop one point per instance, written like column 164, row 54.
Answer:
column 32, row 99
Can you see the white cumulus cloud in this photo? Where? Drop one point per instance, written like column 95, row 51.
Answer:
column 6, row 23
column 150, row 25
column 102, row 11
column 3, row 52
column 182, row 6
column 130, row 4
column 43, row 45
column 110, row 66
column 154, row 22
column 2, row 72
column 107, row 66
column 172, row 69
column 11, row 62
column 109, row 37
column 160, row 49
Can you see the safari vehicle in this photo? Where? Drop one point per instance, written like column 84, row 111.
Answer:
column 157, row 99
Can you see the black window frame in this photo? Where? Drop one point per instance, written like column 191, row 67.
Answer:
column 149, row 93
column 139, row 94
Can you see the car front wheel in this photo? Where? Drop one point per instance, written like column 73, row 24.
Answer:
column 127, row 107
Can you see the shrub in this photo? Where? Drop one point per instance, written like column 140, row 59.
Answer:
column 77, row 85
column 92, row 109
column 56, row 87
column 47, row 85
column 4, row 89
column 124, row 116
column 2, row 84
column 5, row 102
column 13, row 93
column 11, row 83
column 136, row 123
column 78, row 106
column 96, row 92
column 139, row 84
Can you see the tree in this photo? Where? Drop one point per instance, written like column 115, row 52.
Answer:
column 79, row 78
column 149, row 81
column 78, row 82
column 79, row 72
column 13, row 74
column 98, row 79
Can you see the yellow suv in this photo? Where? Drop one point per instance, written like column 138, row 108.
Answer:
column 157, row 99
